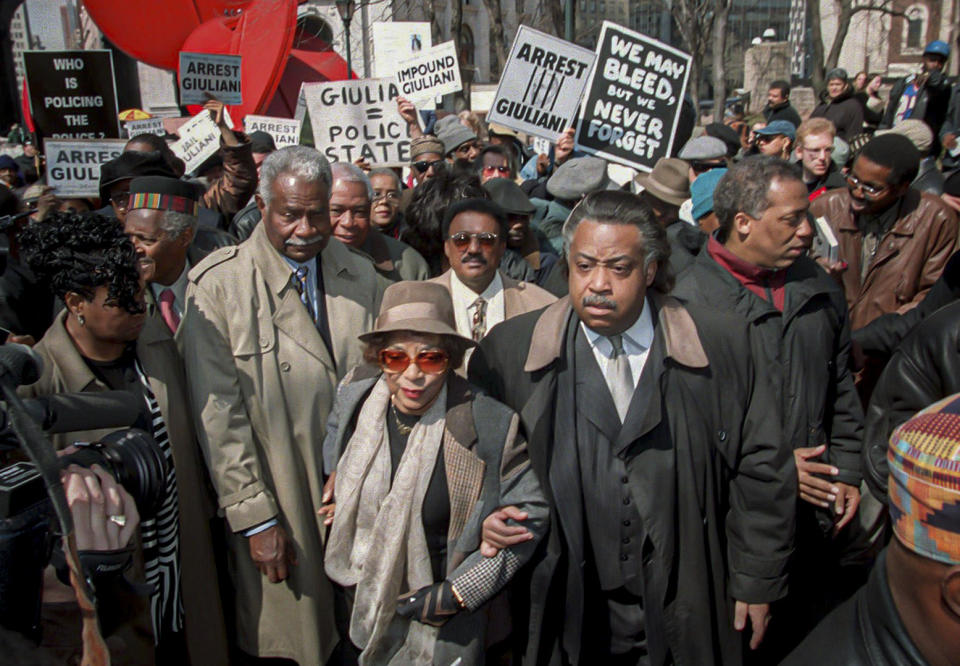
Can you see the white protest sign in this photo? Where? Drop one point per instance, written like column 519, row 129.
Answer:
column 397, row 41
column 539, row 91
column 541, row 146
column 431, row 74
column 73, row 166
column 357, row 118
column 202, row 73
column 199, row 140
column 285, row 131
column 148, row 126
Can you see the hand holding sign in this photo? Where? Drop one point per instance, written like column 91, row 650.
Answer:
column 219, row 114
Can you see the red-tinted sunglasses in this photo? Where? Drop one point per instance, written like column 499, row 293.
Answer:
column 429, row 362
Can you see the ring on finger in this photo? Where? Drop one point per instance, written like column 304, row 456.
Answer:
column 120, row 520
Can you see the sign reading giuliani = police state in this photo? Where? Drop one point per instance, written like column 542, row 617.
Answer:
column 73, row 167
column 358, row 118
column 633, row 100
column 72, row 94
column 199, row 140
column 433, row 73
column 539, row 91
column 203, row 74
column 285, row 131
column 146, row 126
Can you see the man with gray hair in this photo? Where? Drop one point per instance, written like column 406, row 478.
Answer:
column 271, row 328
column 351, row 198
column 673, row 501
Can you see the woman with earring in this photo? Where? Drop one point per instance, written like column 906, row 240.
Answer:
column 421, row 459
column 102, row 340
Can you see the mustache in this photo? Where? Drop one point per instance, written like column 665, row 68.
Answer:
column 597, row 300
column 474, row 257
column 300, row 242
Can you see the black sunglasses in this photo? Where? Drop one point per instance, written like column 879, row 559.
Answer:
column 422, row 166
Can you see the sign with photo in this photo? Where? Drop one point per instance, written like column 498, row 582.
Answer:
column 633, row 99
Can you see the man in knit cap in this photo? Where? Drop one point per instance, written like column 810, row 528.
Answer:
column 909, row 610
column 426, row 157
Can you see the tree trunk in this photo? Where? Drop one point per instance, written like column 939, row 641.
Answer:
column 719, row 62
column 843, row 27
column 554, row 9
column 495, row 11
column 461, row 100
column 817, row 72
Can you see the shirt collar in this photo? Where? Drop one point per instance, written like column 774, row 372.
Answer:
column 462, row 292
column 640, row 333
column 738, row 266
column 179, row 286
column 311, row 264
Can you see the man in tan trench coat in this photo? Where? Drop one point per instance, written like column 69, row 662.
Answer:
column 265, row 343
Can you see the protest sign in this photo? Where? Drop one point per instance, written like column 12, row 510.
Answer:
column 285, row 131
column 199, row 140
column 357, row 118
column 397, row 41
column 72, row 94
column 539, row 91
column 202, row 73
column 73, row 167
column 432, row 73
column 633, row 100
column 148, row 126
column 541, row 146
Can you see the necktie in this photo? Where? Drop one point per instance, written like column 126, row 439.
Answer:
column 299, row 280
column 619, row 377
column 169, row 315
column 479, row 326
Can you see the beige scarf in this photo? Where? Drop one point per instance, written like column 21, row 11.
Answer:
column 377, row 541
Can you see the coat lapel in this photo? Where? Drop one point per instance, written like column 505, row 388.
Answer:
column 342, row 296
column 76, row 375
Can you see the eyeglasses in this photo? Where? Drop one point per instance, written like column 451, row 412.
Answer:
column 767, row 138
column 389, row 195
column 497, row 169
column 422, row 166
column 120, row 199
column 431, row 362
column 869, row 190
column 461, row 240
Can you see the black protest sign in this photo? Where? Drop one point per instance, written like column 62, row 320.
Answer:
column 633, row 98
column 203, row 74
column 72, row 94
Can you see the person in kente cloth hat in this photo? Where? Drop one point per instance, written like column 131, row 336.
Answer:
column 162, row 221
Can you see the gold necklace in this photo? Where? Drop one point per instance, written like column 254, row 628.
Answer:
column 402, row 428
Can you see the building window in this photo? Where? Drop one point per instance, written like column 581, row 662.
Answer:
column 914, row 29
column 914, row 32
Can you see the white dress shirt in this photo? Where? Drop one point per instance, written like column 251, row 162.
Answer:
column 464, row 297
column 179, row 288
column 636, row 343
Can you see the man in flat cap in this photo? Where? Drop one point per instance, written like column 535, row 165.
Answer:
column 460, row 144
column 271, row 327
column 529, row 255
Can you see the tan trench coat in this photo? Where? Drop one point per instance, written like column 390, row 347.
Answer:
column 262, row 384
column 65, row 371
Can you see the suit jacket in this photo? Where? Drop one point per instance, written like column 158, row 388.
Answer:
column 713, row 488
column 518, row 297
column 65, row 370
column 393, row 259
column 262, row 382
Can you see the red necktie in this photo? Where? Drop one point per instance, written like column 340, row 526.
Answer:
column 169, row 315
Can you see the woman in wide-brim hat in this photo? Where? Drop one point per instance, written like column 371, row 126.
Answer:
column 419, row 459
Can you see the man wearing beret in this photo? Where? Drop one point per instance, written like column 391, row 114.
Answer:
column 271, row 327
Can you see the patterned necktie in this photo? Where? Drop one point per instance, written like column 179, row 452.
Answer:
column 299, row 280
column 619, row 377
column 167, row 311
column 479, row 326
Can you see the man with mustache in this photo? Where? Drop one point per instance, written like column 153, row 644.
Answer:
column 657, row 443
column 475, row 239
column 756, row 266
column 270, row 329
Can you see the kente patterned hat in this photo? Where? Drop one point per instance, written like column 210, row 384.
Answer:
column 160, row 193
column 924, row 489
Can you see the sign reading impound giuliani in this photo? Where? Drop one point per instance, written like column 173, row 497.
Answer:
column 72, row 94
column 73, row 167
column 203, row 73
column 199, row 140
column 285, row 131
column 633, row 100
column 357, row 118
column 433, row 73
column 539, row 91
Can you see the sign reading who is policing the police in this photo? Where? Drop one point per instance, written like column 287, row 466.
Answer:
column 209, row 74
column 73, row 167
column 633, row 100
column 356, row 119
column 539, row 91
column 432, row 73
column 72, row 94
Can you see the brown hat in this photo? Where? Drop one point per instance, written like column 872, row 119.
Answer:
column 418, row 307
column 668, row 181
column 425, row 144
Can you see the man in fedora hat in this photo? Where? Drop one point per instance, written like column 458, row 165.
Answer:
column 665, row 189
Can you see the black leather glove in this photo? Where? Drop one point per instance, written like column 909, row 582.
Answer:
column 433, row 604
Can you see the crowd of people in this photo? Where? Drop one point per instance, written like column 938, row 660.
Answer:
column 495, row 407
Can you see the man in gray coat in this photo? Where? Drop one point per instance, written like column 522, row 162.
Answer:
column 270, row 329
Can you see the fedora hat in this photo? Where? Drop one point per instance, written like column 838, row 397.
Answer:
column 668, row 181
column 418, row 307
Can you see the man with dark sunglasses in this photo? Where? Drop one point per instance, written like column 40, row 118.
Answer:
column 426, row 157
column 475, row 239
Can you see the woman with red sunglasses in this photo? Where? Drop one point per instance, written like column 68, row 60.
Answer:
column 418, row 459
